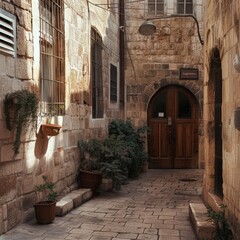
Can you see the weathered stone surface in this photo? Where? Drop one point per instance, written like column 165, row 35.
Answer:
column 59, row 161
column 72, row 200
column 64, row 206
column 25, row 19
column 13, row 213
column 28, row 201
column 8, row 183
column 24, row 69
column 25, row 4
column 203, row 226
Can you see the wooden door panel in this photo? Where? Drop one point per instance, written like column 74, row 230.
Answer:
column 154, row 140
column 164, row 141
column 184, row 145
column 173, row 145
column 159, row 145
column 189, row 136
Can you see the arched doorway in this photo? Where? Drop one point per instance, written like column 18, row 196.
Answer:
column 173, row 120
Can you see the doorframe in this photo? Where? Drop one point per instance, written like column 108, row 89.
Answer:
column 215, row 161
column 197, row 109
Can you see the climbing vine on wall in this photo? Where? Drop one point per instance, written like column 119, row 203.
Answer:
column 20, row 109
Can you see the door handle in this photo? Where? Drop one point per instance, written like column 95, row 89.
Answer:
column 169, row 121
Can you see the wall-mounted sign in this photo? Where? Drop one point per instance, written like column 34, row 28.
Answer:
column 188, row 74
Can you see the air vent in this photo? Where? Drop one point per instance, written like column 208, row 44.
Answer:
column 7, row 33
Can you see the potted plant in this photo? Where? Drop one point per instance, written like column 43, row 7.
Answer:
column 20, row 109
column 89, row 175
column 45, row 210
column 102, row 159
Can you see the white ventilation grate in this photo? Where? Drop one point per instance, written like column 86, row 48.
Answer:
column 7, row 33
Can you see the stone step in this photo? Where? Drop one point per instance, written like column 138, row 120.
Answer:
column 204, row 227
column 72, row 200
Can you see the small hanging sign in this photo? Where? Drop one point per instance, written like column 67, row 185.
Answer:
column 188, row 74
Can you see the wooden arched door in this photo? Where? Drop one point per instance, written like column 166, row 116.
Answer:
column 173, row 120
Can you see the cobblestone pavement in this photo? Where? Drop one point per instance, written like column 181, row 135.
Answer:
column 154, row 207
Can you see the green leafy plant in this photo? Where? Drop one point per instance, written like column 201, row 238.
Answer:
column 103, row 156
column 134, row 139
column 223, row 231
column 119, row 155
column 47, row 188
column 20, row 109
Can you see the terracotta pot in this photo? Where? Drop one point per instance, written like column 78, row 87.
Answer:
column 50, row 129
column 45, row 212
column 89, row 179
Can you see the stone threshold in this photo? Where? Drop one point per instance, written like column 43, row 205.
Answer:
column 72, row 200
column 204, row 227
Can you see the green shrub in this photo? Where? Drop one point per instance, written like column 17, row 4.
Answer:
column 222, row 231
column 119, row 155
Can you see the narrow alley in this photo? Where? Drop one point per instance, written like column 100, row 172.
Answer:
column 154, row 206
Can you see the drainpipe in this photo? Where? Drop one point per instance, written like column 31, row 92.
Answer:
column 121, row 56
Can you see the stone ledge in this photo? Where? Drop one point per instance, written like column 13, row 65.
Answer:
column 72, row 200
column 204, row 227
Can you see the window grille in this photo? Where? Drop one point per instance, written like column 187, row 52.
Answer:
column 52, row 58
column 7, row 33
column 96, row 66
column 155, row 7
column 113, row 83
column 184, row 6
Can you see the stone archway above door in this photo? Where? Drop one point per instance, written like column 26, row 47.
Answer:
column 153, row 87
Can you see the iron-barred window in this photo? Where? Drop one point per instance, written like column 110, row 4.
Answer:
column 155, row 7
column 96, row 66
column 184, row 6
column 113, row 83
column 52, row 71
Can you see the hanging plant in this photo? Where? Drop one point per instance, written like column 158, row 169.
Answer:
column 20, row 109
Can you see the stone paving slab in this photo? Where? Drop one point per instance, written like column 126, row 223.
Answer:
column 147, row 208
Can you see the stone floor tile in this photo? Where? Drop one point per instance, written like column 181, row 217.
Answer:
column 147, row 237
column 78, row 237
column 122, row 239
column 170, row 238
column 100, row 238
column 152, row 231
column 127, row 236
column 154, row 206
column 104, row 234
column 88, row 226
column 168, row 232
column 79, row 231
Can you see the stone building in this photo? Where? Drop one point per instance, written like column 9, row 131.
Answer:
column 221, row 108
column 164, row 79
column 67, row 53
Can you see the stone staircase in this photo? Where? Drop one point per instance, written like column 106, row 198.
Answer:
column 72, row 200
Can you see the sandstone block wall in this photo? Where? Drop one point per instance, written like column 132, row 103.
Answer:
column 222, row 21
column 153, row 62
column 56, row 157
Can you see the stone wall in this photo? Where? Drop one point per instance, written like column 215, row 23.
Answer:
column 56, row 157
column 222, row 32
column 153, row 62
